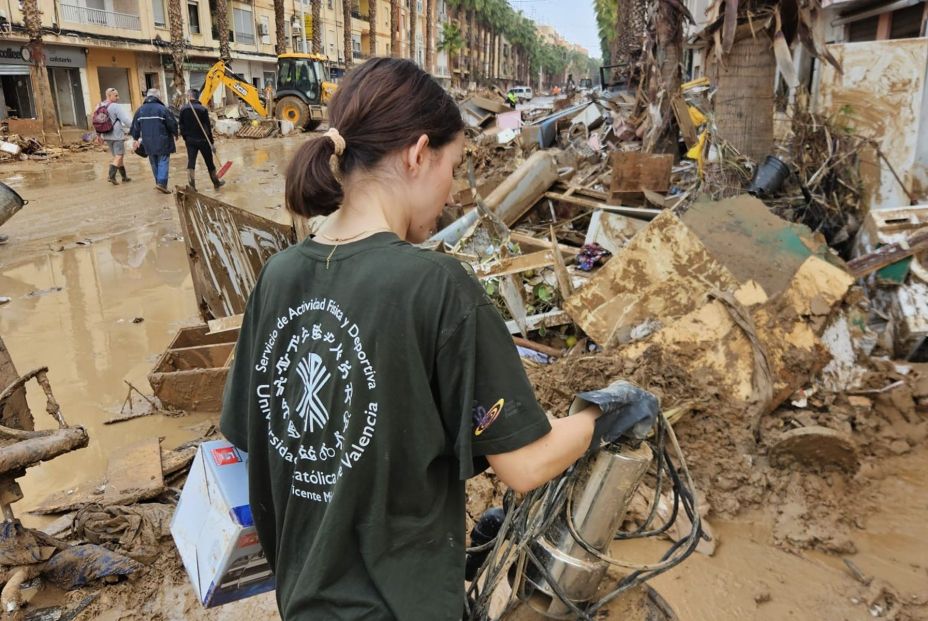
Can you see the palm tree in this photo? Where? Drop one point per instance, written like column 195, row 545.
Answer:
column 37, row 71
column 176, row 25
column 280, row 30
column 222, row 28
column 346, row 30
column 317, row 26
column 452, row 42
column 395, row 29
column 372, row 16
column 607, row 15
column 430, row 36
column 413, row 22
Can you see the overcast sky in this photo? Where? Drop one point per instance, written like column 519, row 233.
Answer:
column 573, row 19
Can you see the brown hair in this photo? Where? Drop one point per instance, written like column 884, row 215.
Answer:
column 382, row 106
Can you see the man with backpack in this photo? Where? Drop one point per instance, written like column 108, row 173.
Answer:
column 198, row 136
column 155, row 127
column 110, row 122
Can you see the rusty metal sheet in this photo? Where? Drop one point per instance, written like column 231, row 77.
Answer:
column 226, row 247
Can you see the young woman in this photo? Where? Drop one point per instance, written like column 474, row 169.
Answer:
column 371, row 378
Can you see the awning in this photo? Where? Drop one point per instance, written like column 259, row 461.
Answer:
column 14, row 70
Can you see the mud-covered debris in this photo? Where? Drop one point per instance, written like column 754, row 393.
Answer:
column 815, row 446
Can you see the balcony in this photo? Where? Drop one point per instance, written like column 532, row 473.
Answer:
column 357, row 14
column 74, row 14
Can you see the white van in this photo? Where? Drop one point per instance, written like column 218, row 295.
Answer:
column 524, row 93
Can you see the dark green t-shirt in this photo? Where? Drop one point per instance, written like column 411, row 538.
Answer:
column 364, row 394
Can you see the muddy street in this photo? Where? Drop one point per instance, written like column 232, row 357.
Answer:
column 99, row 284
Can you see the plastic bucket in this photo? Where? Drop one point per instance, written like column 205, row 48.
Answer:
column 10, row 202
column 769, row 177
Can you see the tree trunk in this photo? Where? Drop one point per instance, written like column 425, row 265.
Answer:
column 430, row 36
column 45, row 105
column 474, row 37
column 413, row 23
column 744, row 100
column 395, row 50
column 176, row 24
column 317, row 26
column 372, row 16
column 346, row 31
column 280, row 29
column 666, row 78
column 222, row 25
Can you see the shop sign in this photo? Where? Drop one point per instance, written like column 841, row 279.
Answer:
column 202, row 67
column 13, row 53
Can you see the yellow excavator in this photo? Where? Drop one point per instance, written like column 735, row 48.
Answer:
column 303, row 89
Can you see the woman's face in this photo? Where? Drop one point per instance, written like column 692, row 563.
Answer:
column 431, row 188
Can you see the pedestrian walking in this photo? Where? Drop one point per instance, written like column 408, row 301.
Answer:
column 371, row 376
column 111, row 122
column 155, row 127
column 198, row 138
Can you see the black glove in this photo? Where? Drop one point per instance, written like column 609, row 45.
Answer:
column 628, row 411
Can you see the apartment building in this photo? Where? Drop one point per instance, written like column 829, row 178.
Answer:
column 92, row 45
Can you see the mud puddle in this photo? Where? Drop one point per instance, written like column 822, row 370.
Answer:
column 71, row 202
column 98, row 315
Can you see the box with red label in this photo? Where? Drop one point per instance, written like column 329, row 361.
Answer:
column 214, row 531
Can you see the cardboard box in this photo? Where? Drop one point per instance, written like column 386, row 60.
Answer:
column 214, row 531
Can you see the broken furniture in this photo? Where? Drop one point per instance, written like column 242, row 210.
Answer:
column 226, row 248
column 21, row 446
column 191, row 373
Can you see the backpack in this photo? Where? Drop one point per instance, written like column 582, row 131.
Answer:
column 101, row 120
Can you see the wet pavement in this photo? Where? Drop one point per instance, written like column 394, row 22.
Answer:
column 99, row 284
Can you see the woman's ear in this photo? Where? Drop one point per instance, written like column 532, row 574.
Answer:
column 415, row 155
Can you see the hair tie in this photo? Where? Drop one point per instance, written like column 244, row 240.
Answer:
column 339, row 143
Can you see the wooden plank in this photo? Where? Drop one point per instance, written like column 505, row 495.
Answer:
column 516, row 264
column 560, row 269
column 225, row 324
column 90, row 492
column 550, row 319
column 510, row 290
column 134, row 473
column 533, row 244
column 489, row 104
column 887, row 255
column 633, row 212
column 634, row 171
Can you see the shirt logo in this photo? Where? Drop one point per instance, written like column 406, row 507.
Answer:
column 483, row 418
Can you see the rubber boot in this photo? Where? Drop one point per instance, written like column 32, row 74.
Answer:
column 191, row 179
column 217, row 182
column 112, row 175
column 125, row 177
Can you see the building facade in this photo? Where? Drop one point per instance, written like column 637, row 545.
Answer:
column 92, row 45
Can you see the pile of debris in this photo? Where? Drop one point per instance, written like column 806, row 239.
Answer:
column 23, row 139
column 788, row 358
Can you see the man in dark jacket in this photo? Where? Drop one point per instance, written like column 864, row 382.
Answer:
column 198, row 136
column 156, row 128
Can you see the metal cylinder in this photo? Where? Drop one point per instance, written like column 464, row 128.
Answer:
column 599, row 502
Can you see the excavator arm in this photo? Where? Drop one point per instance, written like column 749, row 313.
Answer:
column 220, row 74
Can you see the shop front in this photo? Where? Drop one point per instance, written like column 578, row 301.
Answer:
column 195, row 70
column 66, row 70
column 114, row 68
